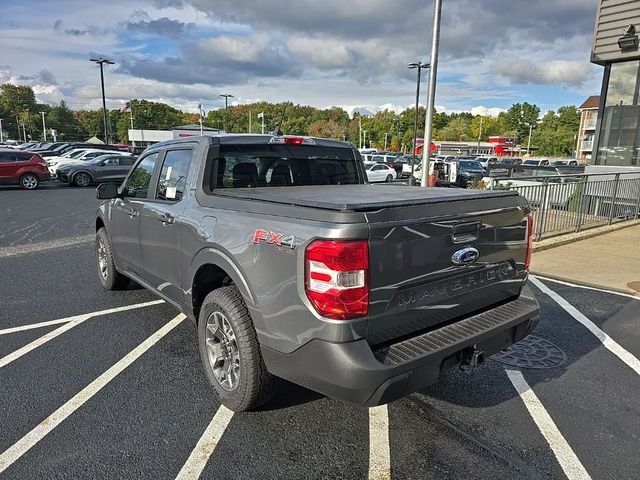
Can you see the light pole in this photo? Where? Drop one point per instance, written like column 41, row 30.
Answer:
column 101, row 61
column 1, row 135
column 433, row 71
column 44, row 127
column 364, row 138
column 261, row 117
column 226, row 107
column 360, row 129
column 529, row 141
column 419, row 66
column 385, row 141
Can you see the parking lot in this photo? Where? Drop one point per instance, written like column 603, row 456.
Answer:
column 109, row 385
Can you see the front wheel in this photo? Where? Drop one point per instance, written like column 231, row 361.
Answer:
column 110, row 278
column 82, row 179
column 389, row 178
column 230, row 352
column 29, row 182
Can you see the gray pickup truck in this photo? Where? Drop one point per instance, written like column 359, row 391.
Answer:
column 293, row 267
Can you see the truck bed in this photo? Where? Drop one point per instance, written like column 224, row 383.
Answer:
column 360, row 198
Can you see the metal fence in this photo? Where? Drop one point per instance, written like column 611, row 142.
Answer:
column 570, row 203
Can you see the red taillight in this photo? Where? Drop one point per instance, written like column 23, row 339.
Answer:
column 293, row 140
column 337, row 278
column 527, row 255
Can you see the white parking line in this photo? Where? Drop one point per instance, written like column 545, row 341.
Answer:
column 563, row 452
column 586, row 287
column 15, row 451
column 199, row 457
column 606, row 340
column 48, row 323
column 70, row 322
column 379, row 454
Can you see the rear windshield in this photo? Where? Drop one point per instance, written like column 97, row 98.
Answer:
column 244, row 166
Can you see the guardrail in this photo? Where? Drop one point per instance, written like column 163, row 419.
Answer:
column 572, row 202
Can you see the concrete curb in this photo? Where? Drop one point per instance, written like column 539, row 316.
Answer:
column 546, row 276
column 574, row 237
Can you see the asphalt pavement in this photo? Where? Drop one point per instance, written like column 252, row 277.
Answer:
column 89, row 392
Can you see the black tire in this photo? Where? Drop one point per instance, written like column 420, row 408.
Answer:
column 29, row 181
column 82, row 179
column 389, row 178
column 254, row 384
column 110, row 278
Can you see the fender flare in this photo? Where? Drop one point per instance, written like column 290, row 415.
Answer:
column 219, row 258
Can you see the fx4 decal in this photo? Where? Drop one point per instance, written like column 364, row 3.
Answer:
column 275, row 238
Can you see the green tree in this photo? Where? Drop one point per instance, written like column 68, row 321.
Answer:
column 16, row 101
column 520, row 116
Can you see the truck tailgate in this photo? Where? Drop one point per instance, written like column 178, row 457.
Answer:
column 419, row 283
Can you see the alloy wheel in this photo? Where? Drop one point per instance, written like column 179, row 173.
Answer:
column 222, row 350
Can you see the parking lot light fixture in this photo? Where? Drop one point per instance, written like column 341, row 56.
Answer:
column 226, row 108
column 419, row 66
column 102, row 61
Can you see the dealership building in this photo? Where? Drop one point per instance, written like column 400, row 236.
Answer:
column 615, row 47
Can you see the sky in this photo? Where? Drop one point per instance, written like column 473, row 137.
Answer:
column 347, row 53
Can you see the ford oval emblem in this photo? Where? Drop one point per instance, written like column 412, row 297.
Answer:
column 466, row 256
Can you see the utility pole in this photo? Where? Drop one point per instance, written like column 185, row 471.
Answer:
column 529, row 142
column 419, row 66
column 18, row 126
column 200, row 115
column 1, row 135
column 360, row 130
column 480, row 135
column 226, row 108
column 385, row 141
column 364, row 138
column 44, row 127
column 261, row 117
column 433, row 72
column 250, row 129
column 102, row 61
column 24, row 133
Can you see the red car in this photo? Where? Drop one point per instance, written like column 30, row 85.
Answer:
column 24, row 168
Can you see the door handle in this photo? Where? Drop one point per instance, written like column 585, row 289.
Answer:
column 132, row 213
column 166, row 219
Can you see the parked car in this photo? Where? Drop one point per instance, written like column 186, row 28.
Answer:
column 380, row 172
column 86, row 154
column 103, row 168
column 23, row 168
column 565, row 163
column 487, row 162
column 536, row 162
column 468, row 171
column 325, row 282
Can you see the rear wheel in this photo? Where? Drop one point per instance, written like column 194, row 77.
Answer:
column 389, row 178
column 82, row 179
column 29, row 182
column 110, row 277
column 230, row 352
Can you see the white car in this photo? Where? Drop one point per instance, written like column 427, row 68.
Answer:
column 380, row 172
column 78, row 156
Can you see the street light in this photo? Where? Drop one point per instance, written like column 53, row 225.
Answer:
column 433, row 73
column 101, row 61
column 419, row 66
column 226, row 107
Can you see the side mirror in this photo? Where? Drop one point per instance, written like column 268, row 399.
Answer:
column 107, row 191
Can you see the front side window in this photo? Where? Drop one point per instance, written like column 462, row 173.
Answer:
column 7, row 157
column 173, row 178
column 140, row 178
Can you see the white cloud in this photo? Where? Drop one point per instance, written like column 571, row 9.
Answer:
column 487, row 112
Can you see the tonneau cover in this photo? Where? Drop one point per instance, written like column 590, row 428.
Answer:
column 359, row 198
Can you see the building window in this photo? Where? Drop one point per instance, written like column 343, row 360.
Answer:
column 620, row 128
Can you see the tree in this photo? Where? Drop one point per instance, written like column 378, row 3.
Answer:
column 16, row 100
column 64, row 122
column 557, row 133
column 520, row 116
column 326, row 129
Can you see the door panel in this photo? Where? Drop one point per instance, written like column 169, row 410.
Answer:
column 125, row 215
column 160, row 224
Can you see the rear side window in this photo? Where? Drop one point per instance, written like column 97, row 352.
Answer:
column 24, row 157
column 242, row 166
column 173, row 177
column 7, row 157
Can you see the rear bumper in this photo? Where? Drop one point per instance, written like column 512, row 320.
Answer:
column 355, row 372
